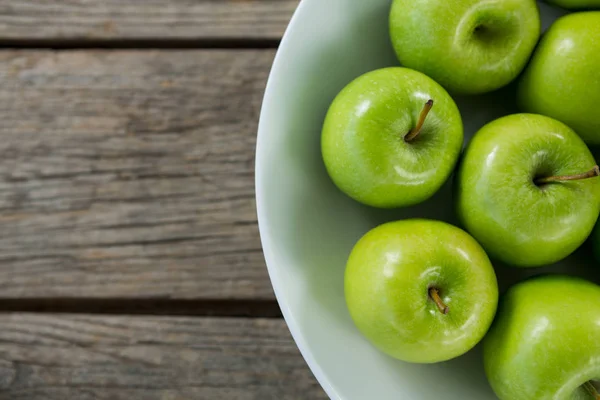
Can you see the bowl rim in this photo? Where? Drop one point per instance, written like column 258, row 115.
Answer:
column 266, row 236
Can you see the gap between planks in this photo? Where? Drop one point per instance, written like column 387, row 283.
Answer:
column 138, row 44
column 155, row 307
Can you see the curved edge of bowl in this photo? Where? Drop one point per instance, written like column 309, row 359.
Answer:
column 264, row 229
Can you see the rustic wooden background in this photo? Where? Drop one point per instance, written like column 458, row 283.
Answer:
column 130, row 261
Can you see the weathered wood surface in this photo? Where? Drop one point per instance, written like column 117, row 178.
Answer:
column 53, row 357
column 144, row 19
column 126, row 185
column 129, row 174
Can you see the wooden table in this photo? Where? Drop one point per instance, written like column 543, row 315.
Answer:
column 130, row 260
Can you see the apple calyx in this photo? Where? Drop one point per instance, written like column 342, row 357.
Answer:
column 434, row 294
column 414, row 132
column 594, row 172
column 589, row 386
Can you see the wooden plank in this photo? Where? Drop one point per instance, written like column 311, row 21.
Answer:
column 129, row 174
column 53, row 357
column 144, row 19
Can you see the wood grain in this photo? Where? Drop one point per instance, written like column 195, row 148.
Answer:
column 144, row 19
column 129, row 174
column 53, row 357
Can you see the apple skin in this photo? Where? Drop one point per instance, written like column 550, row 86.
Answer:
column 576, row 4
column 387, row 281
column 363, row 144
column 562, row 80
column 468, row 46
column 544, row 342
column 515, row 220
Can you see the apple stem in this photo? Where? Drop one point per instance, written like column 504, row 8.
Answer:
column 592, row 390
column 550, row 179
column 417, row 129
column 435, row 296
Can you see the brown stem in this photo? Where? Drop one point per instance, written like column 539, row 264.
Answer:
column 589, row 386
column 434, row 294
column 410, row 136
column 550, row 179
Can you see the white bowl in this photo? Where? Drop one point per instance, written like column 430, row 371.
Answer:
column 308, row 227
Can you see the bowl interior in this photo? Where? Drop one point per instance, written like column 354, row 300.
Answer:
column 308, row 227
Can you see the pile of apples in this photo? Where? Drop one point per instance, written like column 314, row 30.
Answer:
column 526, row 191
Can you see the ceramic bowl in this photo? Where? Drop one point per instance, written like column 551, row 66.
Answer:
column 308, row 226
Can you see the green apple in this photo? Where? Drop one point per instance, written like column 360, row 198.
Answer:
column 563, row 79
column 527, row 190
column 391, row 138
column 421, row 291
column 544, row 343
column 576, row 4
column 468, row 46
